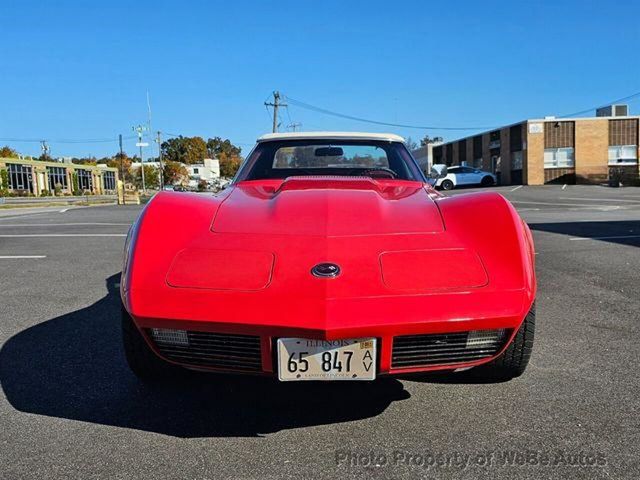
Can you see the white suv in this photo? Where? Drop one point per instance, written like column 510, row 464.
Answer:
column 459, row 175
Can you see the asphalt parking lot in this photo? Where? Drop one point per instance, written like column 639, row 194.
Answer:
column 70, row 408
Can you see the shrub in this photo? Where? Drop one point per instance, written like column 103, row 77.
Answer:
column 4, row 179
column 45, row 193
column 74, row 183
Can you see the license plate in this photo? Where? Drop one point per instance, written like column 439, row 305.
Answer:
column 306, row 359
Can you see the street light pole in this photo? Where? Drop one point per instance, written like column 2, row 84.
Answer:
column 139, row 130
column 160, row 159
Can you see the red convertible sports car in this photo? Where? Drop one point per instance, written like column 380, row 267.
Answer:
column 328, row 257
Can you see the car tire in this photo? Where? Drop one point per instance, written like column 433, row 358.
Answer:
column 145, row 364
column 514, row 360
column 486, row 181
column 447, row 185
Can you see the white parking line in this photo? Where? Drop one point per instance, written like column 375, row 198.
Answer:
column 35, row 235
column 613, row 237
column 514, row 189
column 7, row 257
column 62, row 224
column 581, row 205
column 600, row 199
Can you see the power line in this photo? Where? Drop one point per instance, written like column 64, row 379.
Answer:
column 308, row 106
column 325, row 111
column 40, row 140
column 619, row 100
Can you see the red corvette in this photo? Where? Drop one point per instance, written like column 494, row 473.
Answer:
column 328, row 257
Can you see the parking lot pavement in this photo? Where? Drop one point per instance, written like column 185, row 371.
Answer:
column 71, row 409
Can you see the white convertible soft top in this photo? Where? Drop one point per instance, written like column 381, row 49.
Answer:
column 388, row 137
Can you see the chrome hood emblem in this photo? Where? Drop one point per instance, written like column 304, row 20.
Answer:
column 325, row 270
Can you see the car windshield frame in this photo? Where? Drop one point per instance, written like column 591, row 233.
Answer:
column 259, row 164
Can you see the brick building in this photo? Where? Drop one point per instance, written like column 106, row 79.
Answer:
column 552, row 150
column 33, row 177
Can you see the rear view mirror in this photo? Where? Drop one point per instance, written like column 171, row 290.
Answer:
column 438, row 171
column 328, row 152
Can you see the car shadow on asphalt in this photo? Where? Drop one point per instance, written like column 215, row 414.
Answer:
column 624, row 232
column 73, row 367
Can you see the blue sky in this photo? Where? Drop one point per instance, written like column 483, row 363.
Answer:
column 81, row 70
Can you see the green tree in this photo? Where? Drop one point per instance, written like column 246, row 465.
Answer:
column 84, row 161
column 426, row 140
column 184, row 149
column 8, row 152
column 75, row 185
column 4, row 182
column 229, row 165
column 174, row 173
column 216, row 146
column 151, row 177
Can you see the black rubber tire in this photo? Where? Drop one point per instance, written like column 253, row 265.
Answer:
column 513, row 362
column 145, row 364
column 447, row 185
column 486, row 181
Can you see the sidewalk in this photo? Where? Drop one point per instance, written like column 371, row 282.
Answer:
column 22, row 211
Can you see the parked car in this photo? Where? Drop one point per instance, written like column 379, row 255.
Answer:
column 463, row 176
column 328, row 257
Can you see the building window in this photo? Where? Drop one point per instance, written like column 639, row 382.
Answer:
column 448, row 154
column 85, row 182
column 109, row 180
column 477, row 147
column 19, row 177
column 623, row 154
column 494, row 141
column 559, row 157
column 515, row 138
column 57, row 176
column 196, row 171
column 462, row 152
column 437, row 155
column 516, row 160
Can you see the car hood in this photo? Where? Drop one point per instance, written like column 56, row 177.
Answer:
column 328, row 206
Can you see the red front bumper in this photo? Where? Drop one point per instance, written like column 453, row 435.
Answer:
column 381, row 318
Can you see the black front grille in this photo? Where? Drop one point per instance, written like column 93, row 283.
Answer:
column 446, row 348
column 204, row 349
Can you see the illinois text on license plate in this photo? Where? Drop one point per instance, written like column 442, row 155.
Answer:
column 306, row 359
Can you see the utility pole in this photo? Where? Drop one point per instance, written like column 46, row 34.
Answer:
column 121, row 166
column 294, row 126
column 45, row 148
column 160, row 160
column 139, row 130
column 275, row 104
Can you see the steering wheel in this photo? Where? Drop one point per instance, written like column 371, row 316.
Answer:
column 386, row 170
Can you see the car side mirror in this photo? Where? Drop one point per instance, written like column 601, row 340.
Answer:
column 438, row 171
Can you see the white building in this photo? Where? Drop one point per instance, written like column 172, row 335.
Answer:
column 208, row 170
column 136, row 165
column 424, row 156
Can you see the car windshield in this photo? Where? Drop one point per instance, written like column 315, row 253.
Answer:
column 376, row 159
